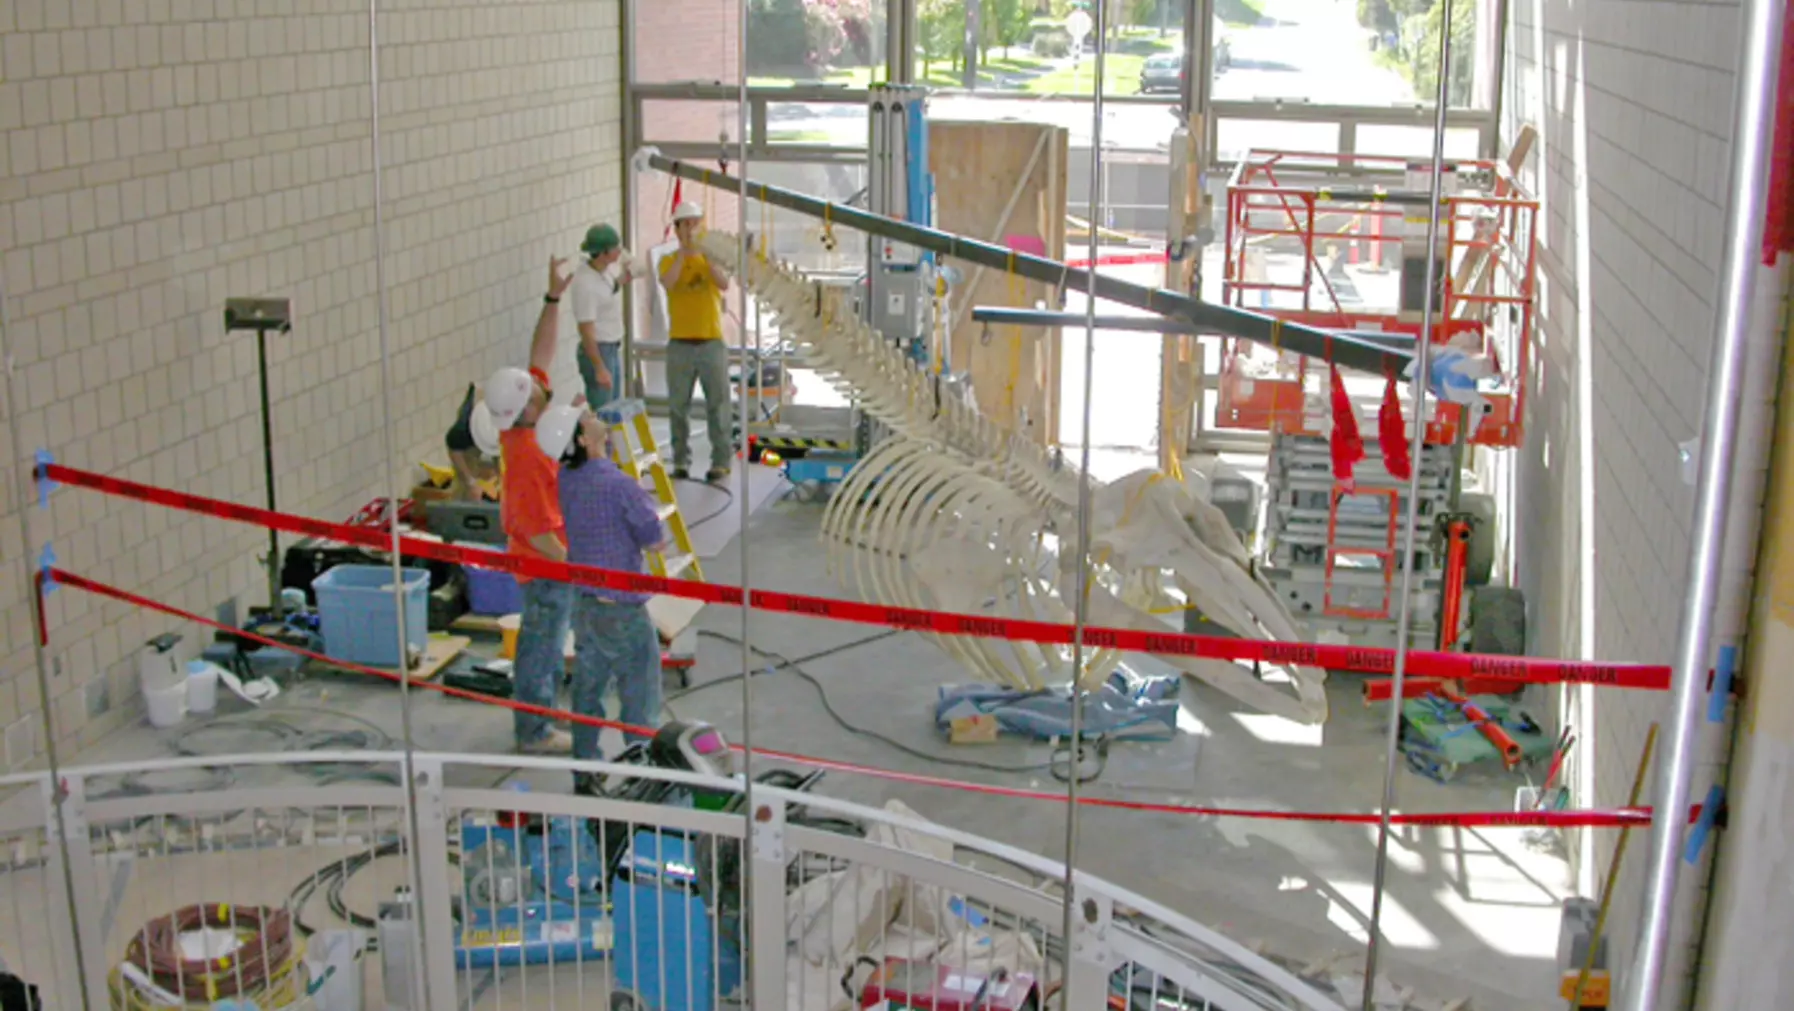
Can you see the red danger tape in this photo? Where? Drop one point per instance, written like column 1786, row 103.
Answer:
column 1360, row 659
column 1590, row 818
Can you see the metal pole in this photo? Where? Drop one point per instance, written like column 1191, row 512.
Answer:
column 1752, row 122
column 749, row 965
column 388, row 448
column 622, row 385
column 1081, row 606
column 1417, row 446
column 261, row 361
column 1349, row 349
column 26, row 489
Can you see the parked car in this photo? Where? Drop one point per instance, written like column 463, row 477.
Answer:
column 1165, row 72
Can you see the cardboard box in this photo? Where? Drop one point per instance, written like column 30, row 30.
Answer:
column 1596, row 993
column 981, row 729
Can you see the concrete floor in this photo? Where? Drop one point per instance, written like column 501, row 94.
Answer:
column 1468, row 913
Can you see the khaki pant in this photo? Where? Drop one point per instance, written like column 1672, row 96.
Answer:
column 706, row 363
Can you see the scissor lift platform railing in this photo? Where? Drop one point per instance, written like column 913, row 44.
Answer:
column 1330, row 218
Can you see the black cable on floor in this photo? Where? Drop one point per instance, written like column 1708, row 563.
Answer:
column 728, row 500
column 786, row 664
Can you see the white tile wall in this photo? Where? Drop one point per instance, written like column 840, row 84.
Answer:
column 1646, row 91
column 162, row 155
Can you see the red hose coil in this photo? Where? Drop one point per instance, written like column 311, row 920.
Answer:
column 156, row 950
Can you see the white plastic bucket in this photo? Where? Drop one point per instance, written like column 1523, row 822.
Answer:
column 202, row 687
column 164, row 686
column 166, row 704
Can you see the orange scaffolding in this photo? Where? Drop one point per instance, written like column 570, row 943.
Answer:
column 1331, row 211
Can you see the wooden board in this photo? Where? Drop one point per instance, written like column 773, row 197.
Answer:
column 477, row 624
column 439, row 652
column 671, row 615
column 982, row 170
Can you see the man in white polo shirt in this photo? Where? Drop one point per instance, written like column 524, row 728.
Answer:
column 597, row 295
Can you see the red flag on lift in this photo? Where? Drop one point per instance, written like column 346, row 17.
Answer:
column 1347, row 444
column 1392, row 434
column 678, row 195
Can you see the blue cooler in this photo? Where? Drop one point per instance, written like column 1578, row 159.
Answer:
column 356, row 615
column 491, row 592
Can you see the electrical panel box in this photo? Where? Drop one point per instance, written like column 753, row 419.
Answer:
column 900, row 276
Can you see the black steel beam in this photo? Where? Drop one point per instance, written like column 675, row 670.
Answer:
column 999, row 315
column 1351, row 351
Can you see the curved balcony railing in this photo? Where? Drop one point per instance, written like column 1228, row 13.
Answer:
column 357, row 886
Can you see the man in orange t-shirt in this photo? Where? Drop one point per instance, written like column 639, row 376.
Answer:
column 530, row 510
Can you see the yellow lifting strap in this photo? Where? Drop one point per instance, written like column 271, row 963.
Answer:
column 1018, row 291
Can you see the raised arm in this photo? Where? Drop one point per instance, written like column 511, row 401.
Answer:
column 542, row 343
column 718, row 276
column 671, row 267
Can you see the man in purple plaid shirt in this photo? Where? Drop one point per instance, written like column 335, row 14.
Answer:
column 610, row 520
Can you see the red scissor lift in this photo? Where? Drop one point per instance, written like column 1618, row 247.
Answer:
column 1339, row 242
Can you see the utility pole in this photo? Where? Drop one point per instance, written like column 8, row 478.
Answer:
column 969, row 58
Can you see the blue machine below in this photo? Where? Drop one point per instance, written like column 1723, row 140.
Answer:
column 530, row 896
column 668, row 954
column 819, row 467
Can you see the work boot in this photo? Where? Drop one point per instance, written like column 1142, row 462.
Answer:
column 555, row 742
column 681, row 474
column 717, row 475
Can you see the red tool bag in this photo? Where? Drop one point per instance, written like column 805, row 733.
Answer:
column 898, row 985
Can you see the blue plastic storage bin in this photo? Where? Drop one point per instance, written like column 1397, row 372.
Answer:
column 489, row 591
column 355, row 613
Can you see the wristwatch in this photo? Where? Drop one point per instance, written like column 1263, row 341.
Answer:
column 551, row 299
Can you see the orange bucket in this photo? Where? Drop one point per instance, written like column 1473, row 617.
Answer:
column 507, row 632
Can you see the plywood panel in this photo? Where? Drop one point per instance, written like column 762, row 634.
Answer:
column 995, row 182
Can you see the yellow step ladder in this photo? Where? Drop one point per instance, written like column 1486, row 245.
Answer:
column 633, row 448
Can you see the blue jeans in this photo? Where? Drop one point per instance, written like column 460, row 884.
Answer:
column 541, row 659
column 597, row 396
column 613, row 642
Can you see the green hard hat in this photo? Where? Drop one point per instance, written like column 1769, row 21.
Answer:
column 600, row 239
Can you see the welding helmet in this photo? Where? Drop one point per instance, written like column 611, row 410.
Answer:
column 483, row 430
column 557, row 428
column 687, row 211
column 507, row 394
column 693, row 746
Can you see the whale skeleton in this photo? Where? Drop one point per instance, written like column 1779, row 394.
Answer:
column 952, row 512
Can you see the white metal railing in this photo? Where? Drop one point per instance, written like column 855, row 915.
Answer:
column 810, row 892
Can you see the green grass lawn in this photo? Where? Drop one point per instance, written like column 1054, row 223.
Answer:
column 1023, row 73
column 1238, row 12
column 995, row 72
column 1121, row 76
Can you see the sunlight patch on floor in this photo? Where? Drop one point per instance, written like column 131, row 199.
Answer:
column 1280, row 730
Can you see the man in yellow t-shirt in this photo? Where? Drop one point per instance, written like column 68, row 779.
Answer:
column 695, row 349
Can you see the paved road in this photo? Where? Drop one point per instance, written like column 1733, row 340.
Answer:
column 1306, row 50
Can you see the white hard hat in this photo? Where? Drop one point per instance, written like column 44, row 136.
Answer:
column 485, row 433
column 557, row 428
column 507, row 394
column 686, row 211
